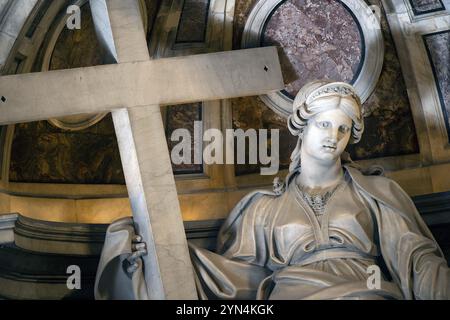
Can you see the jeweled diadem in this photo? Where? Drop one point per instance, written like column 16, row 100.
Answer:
column 336, row 88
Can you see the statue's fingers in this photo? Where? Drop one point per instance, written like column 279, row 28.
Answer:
column 137, row 238
column 132, row 257
column 141, row 252
column 132, row 268
column 138, row 246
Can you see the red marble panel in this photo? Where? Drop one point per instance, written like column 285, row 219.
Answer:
column 319, row 39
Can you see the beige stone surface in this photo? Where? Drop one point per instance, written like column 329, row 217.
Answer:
column 440, row 176
column 102, row 210
column 5, row 206
column 44, row 209
column 414, row 181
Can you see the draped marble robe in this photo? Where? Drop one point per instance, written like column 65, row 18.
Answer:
column 274, row 247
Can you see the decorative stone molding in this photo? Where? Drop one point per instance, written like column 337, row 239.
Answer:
column 59, row 238
column 13, row 15
column 217, row 28
column 372, row 56
column 82, row 239
column 435, row 43
column 418, row 11
column 7, row 223
column 35, row 255
column 426, row 105
column 35, row 276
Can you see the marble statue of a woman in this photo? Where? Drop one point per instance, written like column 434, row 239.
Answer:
column 320, row 234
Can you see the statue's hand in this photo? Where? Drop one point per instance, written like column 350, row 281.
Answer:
column 139, row 249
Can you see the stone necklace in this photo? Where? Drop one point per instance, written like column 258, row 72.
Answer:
column 317, row 201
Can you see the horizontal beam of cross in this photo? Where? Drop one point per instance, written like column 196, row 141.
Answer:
column 40, row 96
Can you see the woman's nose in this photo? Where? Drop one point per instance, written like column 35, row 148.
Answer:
column 333, row 135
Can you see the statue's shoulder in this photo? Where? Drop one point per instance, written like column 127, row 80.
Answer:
column 381, row 188
column 372, row 177
column 256, row 197
column 255, row 203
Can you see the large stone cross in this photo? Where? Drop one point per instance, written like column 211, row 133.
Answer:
column 133, row 89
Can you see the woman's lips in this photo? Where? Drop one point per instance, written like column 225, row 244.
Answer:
column 328, row 147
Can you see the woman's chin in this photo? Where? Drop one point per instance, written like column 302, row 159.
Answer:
column 329, row 156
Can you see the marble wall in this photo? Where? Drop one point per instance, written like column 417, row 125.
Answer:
column 426, row 6
column 46, row 154
column 251, row 112
column 37, row 19
column 390, row 129
column 241, row 12
column 78, row 48
column 438, row 45
column 2, row 147
column 183, row 117
column 325, row 50
column 152, row 10
column 43, row 153
column 193, row 21
column 319, row 39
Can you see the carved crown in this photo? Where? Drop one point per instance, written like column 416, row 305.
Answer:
column 334, row 88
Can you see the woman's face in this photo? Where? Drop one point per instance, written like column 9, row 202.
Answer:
column 326, row 136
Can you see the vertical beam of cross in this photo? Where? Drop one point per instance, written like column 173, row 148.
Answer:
column 146, row 163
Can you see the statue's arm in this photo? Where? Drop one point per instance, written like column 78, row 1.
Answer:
column 119, row 273
column 410, row 251
column 243, row 235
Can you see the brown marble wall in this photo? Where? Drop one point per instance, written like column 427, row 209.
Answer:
column 438, row 48
column 252, row 113
column 241, row 12
column 45, row 154
column 2, row 147
column 390, row 128
column 426, row 6
column 193, row 21
column 152, row 11
column 78, row 48
column 183, row 117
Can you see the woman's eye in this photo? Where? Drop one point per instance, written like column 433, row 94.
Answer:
column 344, row 129
column 324, row 124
